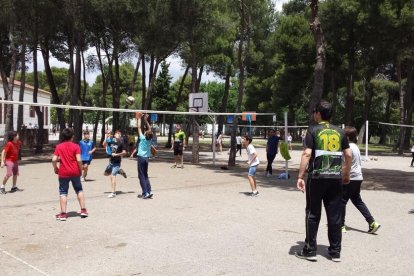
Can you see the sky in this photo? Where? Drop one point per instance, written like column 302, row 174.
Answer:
column 176, row 66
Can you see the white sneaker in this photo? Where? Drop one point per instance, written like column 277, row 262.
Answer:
column 112, row 195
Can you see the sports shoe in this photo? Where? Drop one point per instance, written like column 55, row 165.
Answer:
column 147, row 196
column 15, row 189
column 174, row 166
column 62, row 216
column 310, row 256
column 373, row 227
column 121, row 172
column 335, row 257
column 254, row 193
column 411, row 211
column 84, row 213
column 343, row 229
column 112, row 195
column 3, row 191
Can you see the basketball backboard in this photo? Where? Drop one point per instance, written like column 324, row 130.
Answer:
column 198, row 102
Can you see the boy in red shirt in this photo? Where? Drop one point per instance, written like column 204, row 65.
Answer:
column 9, row 157
column 69, row 171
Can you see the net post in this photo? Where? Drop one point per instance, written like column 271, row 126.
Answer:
column 214, row 140
column 286, row 135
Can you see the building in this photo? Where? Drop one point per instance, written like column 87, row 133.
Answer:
column 29, row 114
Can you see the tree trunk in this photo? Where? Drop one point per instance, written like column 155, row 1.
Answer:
column 384, row 129
column 409, row 105
column 349, row 105
column 224, row 100
column 115, row 90
column 76, row 91
column 135, row 77
column 334, row 90
column 402, row 109
column 200, row 74
column 124, row 119
column 144, row 87
column 39, row 113
column 95, row 126
column 104, row 88
column 319, row 71
column 367, row 90
column 52, row 85
column 22, row 86
column 13, row 62
column 241, row 58
column 151, row 84
column 195, row 148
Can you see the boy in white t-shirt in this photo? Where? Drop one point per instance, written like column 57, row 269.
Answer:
column 253, row 162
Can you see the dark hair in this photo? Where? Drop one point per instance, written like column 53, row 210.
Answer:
column 351, row 133
column 66, row 135
column 248, row 138
column 148, row 135
column 85, row 132
column 11, row 135
column 117, row 131
column 325, row 109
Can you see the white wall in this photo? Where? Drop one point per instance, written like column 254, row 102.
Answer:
column 42, row 97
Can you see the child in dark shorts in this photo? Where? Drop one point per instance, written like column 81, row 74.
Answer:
column 69, row 170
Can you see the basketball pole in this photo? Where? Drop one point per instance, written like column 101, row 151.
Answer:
column 214, row 140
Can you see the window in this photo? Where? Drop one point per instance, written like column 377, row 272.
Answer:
column 32, row 112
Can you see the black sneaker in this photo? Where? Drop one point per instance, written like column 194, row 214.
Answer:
column 15, row 189
column 310, row 256
column 3, row 191
column 254, row 193
column 121, row 172
column 336, row 257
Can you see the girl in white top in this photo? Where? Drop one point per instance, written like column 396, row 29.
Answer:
column 352, row 190
column 253, row 162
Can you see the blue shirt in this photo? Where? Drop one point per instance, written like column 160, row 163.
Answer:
column 86, row 146
column 108, row 146
column 144, row 147
column 272, row 143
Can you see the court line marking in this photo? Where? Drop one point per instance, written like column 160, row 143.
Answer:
column 23, row 262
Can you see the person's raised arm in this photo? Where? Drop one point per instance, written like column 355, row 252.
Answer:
column 138, row 116
column 146, row 116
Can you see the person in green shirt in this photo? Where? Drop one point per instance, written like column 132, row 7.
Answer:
column 178, row 146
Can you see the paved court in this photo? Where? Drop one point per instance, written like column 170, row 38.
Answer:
column 200, row 222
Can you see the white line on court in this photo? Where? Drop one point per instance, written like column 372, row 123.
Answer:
column 23, row 262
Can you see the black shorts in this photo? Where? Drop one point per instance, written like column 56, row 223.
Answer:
column 178, row 148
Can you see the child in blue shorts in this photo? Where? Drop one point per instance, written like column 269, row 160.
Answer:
column 69, row 170
column 253, row 162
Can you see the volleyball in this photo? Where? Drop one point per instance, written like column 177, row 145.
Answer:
column 130, row 100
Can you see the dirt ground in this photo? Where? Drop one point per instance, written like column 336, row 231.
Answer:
column 200, row 222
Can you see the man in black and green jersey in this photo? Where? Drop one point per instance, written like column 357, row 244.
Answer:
column 322, row 157
column 178, row 146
